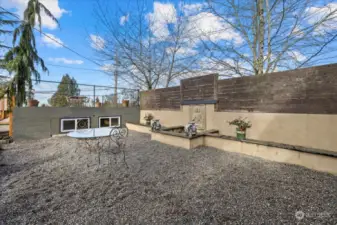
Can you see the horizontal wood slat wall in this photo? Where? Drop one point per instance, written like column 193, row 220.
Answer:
column 199, row 88
column 164, row 98
column 310, row 90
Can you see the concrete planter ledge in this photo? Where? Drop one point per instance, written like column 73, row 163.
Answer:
column 138, row 124
column 317, row 159
column 182, row 135
column 142, row 128
column 278, row 145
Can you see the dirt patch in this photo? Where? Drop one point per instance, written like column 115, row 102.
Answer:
column 56, row 181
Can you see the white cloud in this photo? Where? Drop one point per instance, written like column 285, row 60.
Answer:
column 124, row 19
column 184, row 51
column 226, row 67
column 327, row 13
column 163, row 14
column 97, row 42
column 107, row 67
column 199, row 25
column 207, row 26
column 52, row 5
column 49, row 41
column 66, row 61
column 297, row 56
column 191, row 9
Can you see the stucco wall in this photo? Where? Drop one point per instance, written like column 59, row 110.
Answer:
column 312, row 161
column 308, row 130
column 168, row 117
column 42, row 122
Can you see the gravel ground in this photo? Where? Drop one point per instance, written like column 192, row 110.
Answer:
column 49, row 182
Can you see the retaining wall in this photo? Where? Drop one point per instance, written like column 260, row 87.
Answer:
column 43, row 122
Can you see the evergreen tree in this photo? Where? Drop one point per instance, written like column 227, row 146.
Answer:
column 67, row 88
column 22, row 59
column 5, row 21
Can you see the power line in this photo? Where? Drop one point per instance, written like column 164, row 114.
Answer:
column 90, row 85
column 99, row 87
column 76, row 68
column 63, row 45
column 56, row 41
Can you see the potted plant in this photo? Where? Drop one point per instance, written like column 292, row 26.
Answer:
column 242, row 126
column 148, row 117
column 125, row 103
column 31, row 101
column 97, row 103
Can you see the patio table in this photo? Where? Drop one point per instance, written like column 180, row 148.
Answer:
column 93, row 138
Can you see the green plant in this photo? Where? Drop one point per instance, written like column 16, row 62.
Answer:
column 22, row 60
column 148, row 117
column 242, row 124
column 66, row 90
column 5, row 22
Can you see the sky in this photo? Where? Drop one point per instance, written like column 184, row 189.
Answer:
column 78, row 31
column 76, row 25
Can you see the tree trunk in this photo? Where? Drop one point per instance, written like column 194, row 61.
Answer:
column 115, row 99
column 260, row 37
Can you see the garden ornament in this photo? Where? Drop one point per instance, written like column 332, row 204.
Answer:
column 190, row 129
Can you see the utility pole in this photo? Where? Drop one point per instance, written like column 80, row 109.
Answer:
column 94, row 96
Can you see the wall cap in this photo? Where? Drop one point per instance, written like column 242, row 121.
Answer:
column 198, row 102
column 278, row 145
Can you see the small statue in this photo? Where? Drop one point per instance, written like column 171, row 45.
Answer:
column 155, row 126
column 190, row 129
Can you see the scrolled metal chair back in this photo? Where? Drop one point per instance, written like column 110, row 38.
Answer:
column 119, row 137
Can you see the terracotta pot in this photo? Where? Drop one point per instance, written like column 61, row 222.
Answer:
column 33, row 103
column 98, row 104
column 125, row 103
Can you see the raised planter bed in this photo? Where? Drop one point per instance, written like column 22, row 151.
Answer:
column 317, row 159
column 142, row 128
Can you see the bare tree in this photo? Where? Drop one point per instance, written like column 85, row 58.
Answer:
column 151, row 49
column 276, row 34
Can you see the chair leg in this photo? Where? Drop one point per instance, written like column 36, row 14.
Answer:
column 99, row 157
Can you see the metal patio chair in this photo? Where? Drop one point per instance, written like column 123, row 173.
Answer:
column 117, row 141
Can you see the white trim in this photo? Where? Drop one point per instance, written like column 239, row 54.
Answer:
column 73, row 119
column 110, row 117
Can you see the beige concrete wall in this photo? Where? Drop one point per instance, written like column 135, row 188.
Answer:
column 168, row 117
column 178, row 141
column 311, row 161
column 138, row 128
column 196, row 142
column 308, row 130
column 171, row 140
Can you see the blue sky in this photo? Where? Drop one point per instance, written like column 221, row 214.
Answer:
column 77, row 23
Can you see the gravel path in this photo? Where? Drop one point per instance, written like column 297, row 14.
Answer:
column 48, row 182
